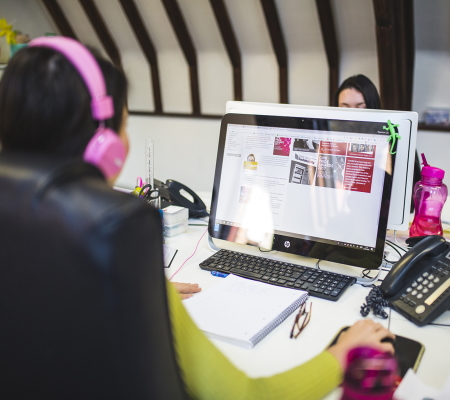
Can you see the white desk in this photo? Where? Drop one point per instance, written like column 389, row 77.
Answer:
column 277, row 353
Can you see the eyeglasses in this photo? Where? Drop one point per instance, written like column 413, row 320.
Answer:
column 301, row 320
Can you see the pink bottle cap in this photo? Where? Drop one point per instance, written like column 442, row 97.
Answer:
column 433, row 172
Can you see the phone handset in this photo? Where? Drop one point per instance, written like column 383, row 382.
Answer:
column 395, row 281
column 175, row 193
column 196, row 207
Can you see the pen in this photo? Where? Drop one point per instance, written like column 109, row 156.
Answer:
column 219, row 274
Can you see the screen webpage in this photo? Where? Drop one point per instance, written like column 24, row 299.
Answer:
column 305, row 183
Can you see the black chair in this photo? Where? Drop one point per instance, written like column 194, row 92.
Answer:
column 83, row 309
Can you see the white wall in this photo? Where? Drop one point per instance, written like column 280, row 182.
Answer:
column 435, row 146
column 432, row 76
column 34, row 21
column 185, row 148
column 307, row 62
column 355, row 26
column 27, row 16
column 432, row 64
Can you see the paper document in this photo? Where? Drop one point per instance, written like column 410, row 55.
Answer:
column 242, row 311
column 169, row 255
column 412, row 388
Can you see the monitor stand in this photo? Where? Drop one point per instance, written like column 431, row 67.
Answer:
column 359, row 279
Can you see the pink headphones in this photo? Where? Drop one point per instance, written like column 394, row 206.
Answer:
column 105, row 150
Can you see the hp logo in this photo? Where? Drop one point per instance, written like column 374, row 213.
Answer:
column 287, row 244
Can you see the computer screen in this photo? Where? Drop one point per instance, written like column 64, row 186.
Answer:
column 316, row 187
column 400, row 204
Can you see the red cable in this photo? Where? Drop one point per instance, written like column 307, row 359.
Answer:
column 196, row 247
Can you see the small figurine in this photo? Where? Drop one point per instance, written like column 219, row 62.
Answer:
column 22, row 38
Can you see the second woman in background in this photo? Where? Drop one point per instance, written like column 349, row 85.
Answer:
column 358, row 91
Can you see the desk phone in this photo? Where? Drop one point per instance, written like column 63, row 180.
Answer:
column 418, row 286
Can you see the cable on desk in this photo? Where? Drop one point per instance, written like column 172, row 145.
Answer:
column 366, row 274
column 432, row 323
column 196, row 247
column 376, row 303
column 392, row 262
column 403, row 247
column 396, row 247
column 317, row 264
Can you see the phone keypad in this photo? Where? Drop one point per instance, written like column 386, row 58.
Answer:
column 424, row 297
column 424, row 285
column 420, row 287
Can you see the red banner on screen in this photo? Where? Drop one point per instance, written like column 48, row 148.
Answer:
column 358, row 175
column 338, row 149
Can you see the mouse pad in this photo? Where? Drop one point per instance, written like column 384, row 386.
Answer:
column 407, row 351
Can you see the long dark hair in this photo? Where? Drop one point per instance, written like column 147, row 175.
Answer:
column 45, row 105
column 365, row 86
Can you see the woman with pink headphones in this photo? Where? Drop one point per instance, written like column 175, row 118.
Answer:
column 63, row 111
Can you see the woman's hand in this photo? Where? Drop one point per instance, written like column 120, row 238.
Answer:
column 186, row 290
column 364, row 333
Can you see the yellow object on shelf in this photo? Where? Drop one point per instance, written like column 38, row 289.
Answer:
column 7, row 37
column 7, row 31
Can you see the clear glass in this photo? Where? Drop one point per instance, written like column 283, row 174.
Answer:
column 430, row 194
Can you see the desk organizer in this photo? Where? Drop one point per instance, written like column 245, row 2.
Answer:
column 175, row 220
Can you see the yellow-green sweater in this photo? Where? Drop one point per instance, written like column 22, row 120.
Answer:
column 208, row 374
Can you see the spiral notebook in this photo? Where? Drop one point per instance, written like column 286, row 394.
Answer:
column 242, row 311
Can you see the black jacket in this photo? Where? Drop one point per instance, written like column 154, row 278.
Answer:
column 83, row 310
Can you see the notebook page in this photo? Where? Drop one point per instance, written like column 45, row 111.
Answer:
column 239, row 308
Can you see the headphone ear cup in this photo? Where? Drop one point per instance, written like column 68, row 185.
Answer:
column 106, row 151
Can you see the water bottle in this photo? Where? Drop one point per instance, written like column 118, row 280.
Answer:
column 370, row 375
column 429, row 196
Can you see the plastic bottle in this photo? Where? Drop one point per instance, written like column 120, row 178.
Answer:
column 370, row 375
column 429, row 194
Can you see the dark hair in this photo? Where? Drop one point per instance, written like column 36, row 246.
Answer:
column 365, row 86
column 45, row 104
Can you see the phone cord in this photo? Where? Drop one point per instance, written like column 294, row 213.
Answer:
column 376, row 303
